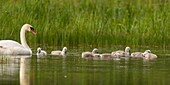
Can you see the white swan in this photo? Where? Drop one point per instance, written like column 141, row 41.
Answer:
column 60, row 53
column 94, row 53
column 41, row 52
column 11, row 47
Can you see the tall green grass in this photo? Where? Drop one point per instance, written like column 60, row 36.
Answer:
column 88, row 23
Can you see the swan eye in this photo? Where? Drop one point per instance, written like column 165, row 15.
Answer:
column 32, row 28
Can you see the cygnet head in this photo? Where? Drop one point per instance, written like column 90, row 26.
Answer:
column 146, row 52
column 64, row 49
column 95, row 51
column 127, row 49
column 38, row 50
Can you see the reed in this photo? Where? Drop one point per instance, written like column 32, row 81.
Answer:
column 88, row 23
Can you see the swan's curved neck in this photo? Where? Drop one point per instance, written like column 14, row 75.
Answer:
column 23, row 39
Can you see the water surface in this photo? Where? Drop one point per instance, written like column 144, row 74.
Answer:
column 73, row 70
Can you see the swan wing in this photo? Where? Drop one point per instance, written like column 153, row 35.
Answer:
column 12, row 47
column 9, row 43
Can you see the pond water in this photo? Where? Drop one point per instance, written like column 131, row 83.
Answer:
column 73, row 70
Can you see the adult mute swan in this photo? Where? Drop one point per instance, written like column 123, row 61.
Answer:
column 10, row 47
column 41, row 52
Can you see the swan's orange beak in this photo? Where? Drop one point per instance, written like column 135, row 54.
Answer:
column 33, row 32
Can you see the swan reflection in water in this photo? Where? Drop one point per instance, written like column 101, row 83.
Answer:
column 24, row 80
column 9, row 67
